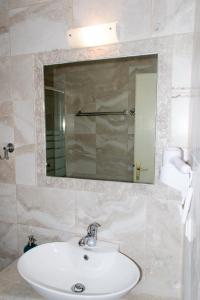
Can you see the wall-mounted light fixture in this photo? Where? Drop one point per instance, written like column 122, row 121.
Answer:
column 91, row 36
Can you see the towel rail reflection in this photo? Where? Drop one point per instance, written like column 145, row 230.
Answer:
column 106, row 113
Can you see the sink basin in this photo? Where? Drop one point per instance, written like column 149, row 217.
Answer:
column 59, row 271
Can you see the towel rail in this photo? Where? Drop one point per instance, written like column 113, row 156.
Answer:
column 106, row 113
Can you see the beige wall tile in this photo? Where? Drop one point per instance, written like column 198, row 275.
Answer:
column 48, row 19
column 6, row 136
column 172, row 17
column 46, row 207
column 24, row 123
column 163, row 249
column 8, row 204
column 5, row 79
column 5, row 44
column 121, row 217
column 7, row 170
column 23, row 3
column 9, row 243
column 25, row 165
column 180, row 123
column 182, row 61
column 4, row 29
column 22, row 86
column 6, row 124
column 4, row 20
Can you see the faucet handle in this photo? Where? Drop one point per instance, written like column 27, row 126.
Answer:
column 92, row 229
column 95, row 224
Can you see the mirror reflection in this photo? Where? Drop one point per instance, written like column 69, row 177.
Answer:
column 100, row 119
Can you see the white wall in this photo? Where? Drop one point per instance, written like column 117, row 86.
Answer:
column 191, row 269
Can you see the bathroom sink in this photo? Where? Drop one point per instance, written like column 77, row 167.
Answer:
column 59, row 271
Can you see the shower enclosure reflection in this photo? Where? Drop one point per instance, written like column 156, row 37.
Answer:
column 100, row 119
column 55, row 132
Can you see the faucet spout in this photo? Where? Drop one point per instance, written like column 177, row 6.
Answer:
column 90, row 239
column 81, row 242
column 92, row 230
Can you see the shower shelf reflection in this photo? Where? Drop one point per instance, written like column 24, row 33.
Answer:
column 106, row 113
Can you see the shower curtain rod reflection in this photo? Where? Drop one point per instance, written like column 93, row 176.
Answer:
column 106, row 113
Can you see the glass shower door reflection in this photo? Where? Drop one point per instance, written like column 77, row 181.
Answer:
column 55, row 133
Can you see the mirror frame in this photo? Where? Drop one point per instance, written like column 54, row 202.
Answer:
column 160, row 47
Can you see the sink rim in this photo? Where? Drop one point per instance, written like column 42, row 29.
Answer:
column 61, row 292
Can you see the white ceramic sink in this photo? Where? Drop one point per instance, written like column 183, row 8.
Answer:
column 53, row 269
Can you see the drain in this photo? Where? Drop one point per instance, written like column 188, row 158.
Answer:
column 78, row 288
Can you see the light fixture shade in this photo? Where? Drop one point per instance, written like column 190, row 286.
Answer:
column 91, row 36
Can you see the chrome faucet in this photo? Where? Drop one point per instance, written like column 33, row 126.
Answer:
column 90, row 239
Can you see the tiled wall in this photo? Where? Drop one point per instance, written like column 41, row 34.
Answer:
column 192, row 246
column 144, row 219
column 102, row 88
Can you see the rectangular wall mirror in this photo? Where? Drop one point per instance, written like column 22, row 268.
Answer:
column 100, row 119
